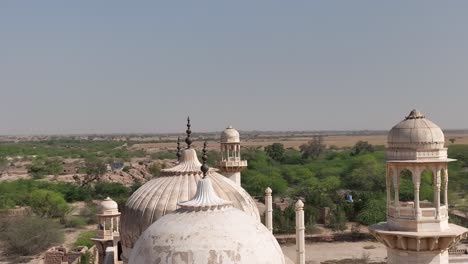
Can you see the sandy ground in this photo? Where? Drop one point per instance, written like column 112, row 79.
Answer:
column 323, row 251
column 295, row 142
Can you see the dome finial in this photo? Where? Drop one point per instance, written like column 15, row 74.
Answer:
column 188, row 140
column 178, row 149
column 414, row 114
column 204, row 167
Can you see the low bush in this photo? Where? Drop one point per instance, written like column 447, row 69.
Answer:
column 75, row 221
column 30, row 235
column 89, row 213
column 84, row 239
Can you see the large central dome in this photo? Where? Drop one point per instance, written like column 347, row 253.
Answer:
column 207, row 229
column 160, row 196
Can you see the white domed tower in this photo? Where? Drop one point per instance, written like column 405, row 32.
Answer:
column 231, row 164
column 417, row 231
column 207, row 229
column 161, row 196
column 108, row 235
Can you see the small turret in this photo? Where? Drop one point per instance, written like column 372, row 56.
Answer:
column 231, row 164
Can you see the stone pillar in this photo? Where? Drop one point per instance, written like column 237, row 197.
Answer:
column 446, row 189
column 388, row 184
column 416, row 200
column 101, row 251
column 269, row 210
column 437, row 194
column 300, row 235
column 396, row 188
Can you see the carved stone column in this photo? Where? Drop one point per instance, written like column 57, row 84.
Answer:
column 388, row 185
column 437, row 194
column 416, row 200
column 300, row 235
column 269, row 209
column 446, row 188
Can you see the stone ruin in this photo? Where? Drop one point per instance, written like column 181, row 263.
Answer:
column 60, row 255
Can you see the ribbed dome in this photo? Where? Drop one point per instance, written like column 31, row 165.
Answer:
column 230, row 135
column 207, row 229
column 161, row 195
column 109, row 206
column 416, row 132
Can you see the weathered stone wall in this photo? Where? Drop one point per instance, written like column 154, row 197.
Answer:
column 15, row 212
column 60, row 255
column 55, row 255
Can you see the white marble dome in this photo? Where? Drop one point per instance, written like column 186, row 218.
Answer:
column 230, row 135
column 207, row 229
column 416, row 132
column 109, row 206
column 161, row 196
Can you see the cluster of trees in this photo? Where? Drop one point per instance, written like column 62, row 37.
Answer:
column 321, row 175
column 66, row 148
column 35, row 193
column 50, row 204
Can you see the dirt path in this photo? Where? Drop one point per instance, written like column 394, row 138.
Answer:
column 319, row 252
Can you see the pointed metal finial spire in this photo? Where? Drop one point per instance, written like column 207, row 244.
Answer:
column 178, row 149
column 188, row 140
column 204, row 167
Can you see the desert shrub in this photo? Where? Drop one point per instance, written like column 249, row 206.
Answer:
column 32, row 234
column 6, row 202
column 84, row 239
column 338, row 219
column 75, row 221
column 155, row 169
column 126, row 169
column 89, row 213
column 87, row 258
column 163, row 155
column 374, row 212
column 284, row 221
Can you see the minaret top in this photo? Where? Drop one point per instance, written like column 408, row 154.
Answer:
column 416, row 138
column 230, row 135
column 188, row 140
column 415, row 114
column 178, row 149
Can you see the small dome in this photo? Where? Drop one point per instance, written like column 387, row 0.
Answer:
column 160, row 196
column 230, row 135
column 416, row 132
column 109, row 206
column 207, row 229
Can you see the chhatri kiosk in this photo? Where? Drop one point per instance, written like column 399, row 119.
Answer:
column 417, row 232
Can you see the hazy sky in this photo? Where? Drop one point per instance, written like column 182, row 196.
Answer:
column 142, row 66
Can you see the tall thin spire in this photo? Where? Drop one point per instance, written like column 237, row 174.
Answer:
column 188, row 140
column 178, row 149
column 204, row 167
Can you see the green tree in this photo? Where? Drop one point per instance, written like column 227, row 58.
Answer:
column 362, row 147
column 313, row 148
column 275, row 151
column 367, row 174
column 95, row 169
column 111, row 189
column 3, row 164
column 47, row 203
